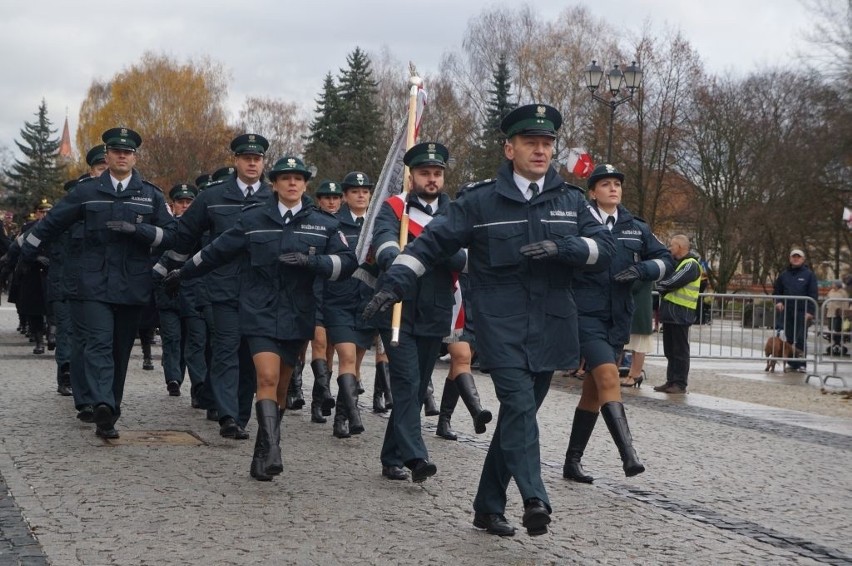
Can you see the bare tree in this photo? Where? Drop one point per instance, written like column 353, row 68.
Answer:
column 283, row 123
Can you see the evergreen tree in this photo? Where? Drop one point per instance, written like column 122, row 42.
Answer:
column 38, row 175
column 347, row 122
column 490, row 151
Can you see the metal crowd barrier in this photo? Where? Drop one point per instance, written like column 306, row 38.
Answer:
column 738, row 326
column 834, row 329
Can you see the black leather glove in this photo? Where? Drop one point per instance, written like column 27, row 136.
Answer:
column 627, row 276
column 297, row 259
column 380, row 302
column 43, row 260
column 171, row 282
column 540, row 250
column 121, row 226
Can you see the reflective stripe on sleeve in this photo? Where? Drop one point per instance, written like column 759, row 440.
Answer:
column 594, row 252
column 662, row 265
column 158, row 236
column 176, row 256
column 411, row 263
column 336, row 267
column 386, row 245
column 196, row 259
column 159, row 268
column 32, row 240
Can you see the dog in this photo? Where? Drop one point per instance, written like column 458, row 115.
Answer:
column 777, row 347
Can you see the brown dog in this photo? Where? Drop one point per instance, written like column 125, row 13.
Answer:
column 777, row 347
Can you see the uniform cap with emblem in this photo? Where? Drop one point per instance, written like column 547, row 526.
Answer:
column 203, row 180
column 96, row 155
column 288, row 164
column 122, row 138
column 357, row 179
column 44, row 205
column 427, row 154
column 223, row 172
column 184, row 190
column 329, row 189
column 249, row 144
column 532, row 120
column 603, row 171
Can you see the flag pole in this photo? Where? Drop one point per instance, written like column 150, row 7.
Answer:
column 414, row 81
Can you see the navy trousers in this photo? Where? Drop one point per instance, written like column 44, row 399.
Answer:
column 232, row 377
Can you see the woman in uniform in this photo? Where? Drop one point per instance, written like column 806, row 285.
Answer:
column 285, row 242
column 605, row 308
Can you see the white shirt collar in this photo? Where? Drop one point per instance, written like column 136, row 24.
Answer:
column 433, row 205
column 283, row 209
column 355, row 217
column 124, row 182
column 523, row 185
column 244, row 186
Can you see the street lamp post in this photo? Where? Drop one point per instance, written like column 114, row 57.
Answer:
column 629, row 79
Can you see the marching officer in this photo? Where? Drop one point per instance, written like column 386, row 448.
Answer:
column 427, row 308
column 605, row 304
column 124, row 217
column 287, row 242
column 526, row 232
column 215, row 210
column 182, row 326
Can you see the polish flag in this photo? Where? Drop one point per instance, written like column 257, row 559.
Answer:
column 580, row 162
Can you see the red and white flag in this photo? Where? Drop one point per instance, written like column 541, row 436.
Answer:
column 847, row 217
column 580, row 162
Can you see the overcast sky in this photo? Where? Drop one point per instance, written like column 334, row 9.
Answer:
column 53, row 49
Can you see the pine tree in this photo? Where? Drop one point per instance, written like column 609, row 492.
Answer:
column 38, row 175
column 491, row 141
column 324, row 129
column 359, row 113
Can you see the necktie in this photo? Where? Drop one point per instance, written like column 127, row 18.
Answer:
column 119, row 187
column 428, row 210
column 288, row 216
column 610, row 222
column 359, row 221
column 534, row 189
column 249, row 191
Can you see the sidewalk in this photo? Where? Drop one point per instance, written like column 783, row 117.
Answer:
column 746, row 482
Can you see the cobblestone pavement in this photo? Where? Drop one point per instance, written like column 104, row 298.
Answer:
column 746, row 469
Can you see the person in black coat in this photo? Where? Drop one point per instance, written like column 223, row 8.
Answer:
column 605, row 305
column 797, row 280
column 286, row 243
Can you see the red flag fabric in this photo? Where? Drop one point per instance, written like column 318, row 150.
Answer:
column 580, row 162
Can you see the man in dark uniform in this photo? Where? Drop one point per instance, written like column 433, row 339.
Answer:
column 526, row 231
column 182, row 327
column 217, row 208
column 124, row 218
column 426, row 310
column 32, row 296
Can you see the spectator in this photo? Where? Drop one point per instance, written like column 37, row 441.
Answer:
column 796, row 281
column 834, row 312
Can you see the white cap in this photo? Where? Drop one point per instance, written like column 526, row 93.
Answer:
column 797, row 251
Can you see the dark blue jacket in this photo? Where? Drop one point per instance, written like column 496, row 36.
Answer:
column 524, row 309
column 277, row 300
column 427, row 305
column 215, row 210
column 798, row 282
column 344, row 300
column 113, row 267
column 601, row 298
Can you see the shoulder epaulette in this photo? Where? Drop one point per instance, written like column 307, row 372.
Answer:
column 474, row 185
column 213, row 184
column 327, row 213
column 640, row 219
column 567, row 185
column 150, row 184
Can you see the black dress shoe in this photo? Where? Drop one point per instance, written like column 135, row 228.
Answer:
column 494, row 524
column 212, row 415
column 421, row 470
column 103, row 416
column 108, row 432
column 195, row 403
column 64, row 390
column 229, row 428
column 174, row 388
column 86, row 414
column 394, row 473
column 536, row 517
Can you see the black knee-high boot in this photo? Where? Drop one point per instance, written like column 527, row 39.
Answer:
column 295, row 397
column 379, row 393
column 581, row 430
column 383, row 373
column 322, row 402
column 266, row 448
column 429, row 405
column 349, row 396
column 616, row 422
column 449, row 399
column 470, row 397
